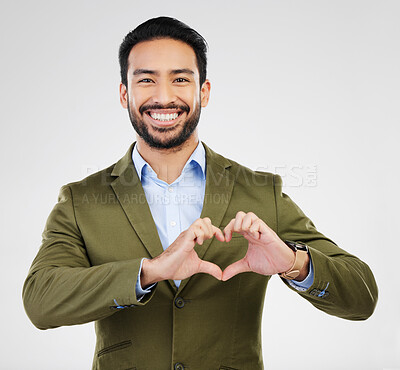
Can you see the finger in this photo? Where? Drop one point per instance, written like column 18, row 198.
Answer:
column 205, row 225
column 248, row 220
column 206, row 222
column 198, row 234
column 207, row 229
column 228, row 230
column 237, row 227
column 218, row 233
column 259, row 227
column 234, row 269
column 254, row 229
column 210, row 268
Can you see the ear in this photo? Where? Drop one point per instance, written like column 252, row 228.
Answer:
column 123, row 95
column 205, row 93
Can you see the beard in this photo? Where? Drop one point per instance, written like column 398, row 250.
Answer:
column 172, row 137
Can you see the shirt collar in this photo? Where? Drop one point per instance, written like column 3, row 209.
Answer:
column 198, row 156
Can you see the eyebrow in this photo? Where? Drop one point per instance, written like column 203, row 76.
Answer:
column 141, row 71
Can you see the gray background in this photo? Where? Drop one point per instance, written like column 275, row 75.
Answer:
column 308, row 89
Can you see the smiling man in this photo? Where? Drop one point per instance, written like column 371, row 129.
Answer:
column 173, row 268
column 160, row 122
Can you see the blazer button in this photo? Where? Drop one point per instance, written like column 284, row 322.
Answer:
column 179, row 302
column 179, row 366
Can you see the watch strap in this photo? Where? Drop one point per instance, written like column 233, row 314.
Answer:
column 300, row 258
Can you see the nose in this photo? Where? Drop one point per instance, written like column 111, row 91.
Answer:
column 164, row 93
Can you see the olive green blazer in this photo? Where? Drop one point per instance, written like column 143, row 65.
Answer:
column 101, row 228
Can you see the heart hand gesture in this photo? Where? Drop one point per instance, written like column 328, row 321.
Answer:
column 267, row 254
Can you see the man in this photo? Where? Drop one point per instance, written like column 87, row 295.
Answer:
column 170, row 249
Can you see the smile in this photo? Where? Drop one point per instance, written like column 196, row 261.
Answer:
column 164, row 117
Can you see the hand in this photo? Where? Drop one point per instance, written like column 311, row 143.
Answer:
column 267, row 254
column 180, row 261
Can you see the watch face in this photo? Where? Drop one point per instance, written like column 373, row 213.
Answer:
column 301, row 246
column 296, row 245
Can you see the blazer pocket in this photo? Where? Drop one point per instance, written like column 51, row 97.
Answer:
column 114, row 347
column 226, row 368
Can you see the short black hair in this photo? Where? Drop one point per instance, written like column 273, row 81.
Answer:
column 159, row 28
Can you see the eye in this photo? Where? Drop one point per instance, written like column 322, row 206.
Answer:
column 181, row 79
column 146, row 80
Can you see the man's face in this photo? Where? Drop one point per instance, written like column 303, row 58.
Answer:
column 163, row 96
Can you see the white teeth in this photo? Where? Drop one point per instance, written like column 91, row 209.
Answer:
column 164, row 117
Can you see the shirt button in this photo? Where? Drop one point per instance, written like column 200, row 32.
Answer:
column 179, row 302
column 170, row 189
column 179, row 366
column 172, row 223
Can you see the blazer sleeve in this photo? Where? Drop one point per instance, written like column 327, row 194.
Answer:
column 62, row 288
column 343, row 286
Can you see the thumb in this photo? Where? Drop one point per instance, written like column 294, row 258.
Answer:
column 234, row 269
column 211, row 268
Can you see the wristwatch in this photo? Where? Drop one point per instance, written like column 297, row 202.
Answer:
column 300, row 250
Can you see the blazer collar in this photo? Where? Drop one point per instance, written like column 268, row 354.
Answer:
column 126, row 161
column 198, row 156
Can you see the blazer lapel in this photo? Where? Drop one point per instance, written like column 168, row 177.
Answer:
column 130, row 194
column 219, row 186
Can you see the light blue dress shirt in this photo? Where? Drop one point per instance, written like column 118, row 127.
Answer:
column 176, row 206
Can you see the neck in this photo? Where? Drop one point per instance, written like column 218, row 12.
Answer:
column 168, row 163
